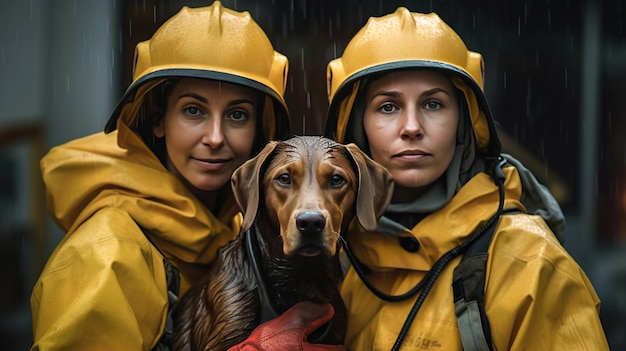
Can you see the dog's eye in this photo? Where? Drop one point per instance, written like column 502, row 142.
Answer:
column 284, row 179
column 337, row 181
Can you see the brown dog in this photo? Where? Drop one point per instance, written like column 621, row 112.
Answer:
column 298, row 197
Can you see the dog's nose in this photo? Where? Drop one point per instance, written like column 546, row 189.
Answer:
column 310, row 222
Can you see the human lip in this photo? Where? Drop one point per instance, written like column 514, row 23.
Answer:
column 411, row 155
column 211, row 164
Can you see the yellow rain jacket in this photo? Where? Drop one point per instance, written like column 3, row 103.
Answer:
column 536, row 296
column 104, row 287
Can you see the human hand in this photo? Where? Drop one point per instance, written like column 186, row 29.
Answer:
column 289, row 331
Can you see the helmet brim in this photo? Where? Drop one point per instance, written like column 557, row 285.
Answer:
column 280, row 107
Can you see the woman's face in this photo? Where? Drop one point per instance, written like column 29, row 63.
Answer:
column 209, row 129
column 411, row 122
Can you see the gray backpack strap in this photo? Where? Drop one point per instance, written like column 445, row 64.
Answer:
column 468, row 285
column 469, row 282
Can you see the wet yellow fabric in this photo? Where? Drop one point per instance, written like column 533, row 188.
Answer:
column 537, row 297
column 104, row 286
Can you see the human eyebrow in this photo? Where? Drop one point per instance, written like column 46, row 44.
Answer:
column 194, row 96
column 393, row 94
column 205, row 100
column 435, row 91
column 241, row 101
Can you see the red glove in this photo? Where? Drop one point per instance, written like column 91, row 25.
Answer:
column 289, row 331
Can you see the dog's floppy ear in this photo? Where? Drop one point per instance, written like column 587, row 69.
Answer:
column 245, row 184
column 375, row 188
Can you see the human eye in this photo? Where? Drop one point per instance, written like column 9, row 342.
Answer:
column 432, row 105
column 387, row 108
column 193, row 111
column 238, row 116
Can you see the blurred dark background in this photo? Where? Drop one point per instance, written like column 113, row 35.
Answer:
column 554, row 79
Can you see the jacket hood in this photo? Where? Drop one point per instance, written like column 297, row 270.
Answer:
column 88, row 174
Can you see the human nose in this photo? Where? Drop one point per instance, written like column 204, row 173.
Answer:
column 213, row 135
column 412, row 128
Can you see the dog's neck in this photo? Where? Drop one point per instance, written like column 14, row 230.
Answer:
column 274, row 287
column 288, row 280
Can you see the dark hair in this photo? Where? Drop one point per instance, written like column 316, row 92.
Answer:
column 151, row 113
column 259, row 137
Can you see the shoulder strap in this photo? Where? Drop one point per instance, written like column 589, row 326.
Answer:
column 468, row 286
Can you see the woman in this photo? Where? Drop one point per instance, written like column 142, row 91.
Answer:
column 409, row 93
column 146, row 205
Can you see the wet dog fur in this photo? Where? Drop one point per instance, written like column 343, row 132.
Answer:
column 298, row 198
